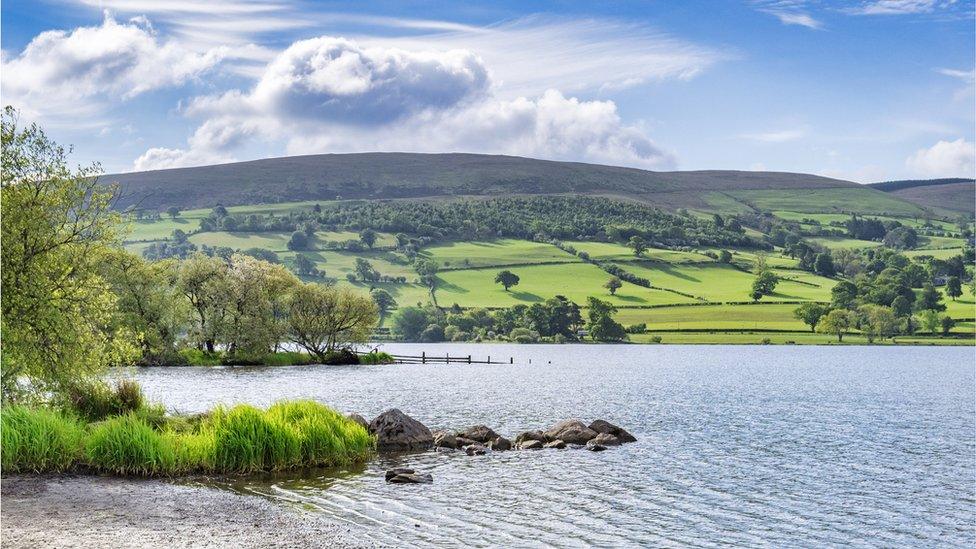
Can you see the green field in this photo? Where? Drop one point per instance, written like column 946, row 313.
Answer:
column 841, row 242
column 609, row 251
column 781, row 338
column 496, row 252
column 943, row 253
column 770, row 316
column 576, row 281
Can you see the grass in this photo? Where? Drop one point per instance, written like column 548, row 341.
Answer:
column 242, row 439
column 337, row 264
column 576, row 281
column 944, row 253
column 836, row 200
column 496, row 252
column 843, row 243
column 611, row 251
column 771, row 316
column 780, row 338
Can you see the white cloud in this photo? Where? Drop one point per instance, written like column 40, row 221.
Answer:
column 60, row 70
column 780, row 136
column 896, row 7
column 333, row 95
column 789, row 12
column 945, row 159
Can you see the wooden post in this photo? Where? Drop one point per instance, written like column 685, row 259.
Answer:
column 489, row 359
column 423, row 357
column 469, row 359
column 511, row 360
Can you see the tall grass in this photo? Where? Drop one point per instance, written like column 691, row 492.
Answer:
column 39, row 440
column 242, row 439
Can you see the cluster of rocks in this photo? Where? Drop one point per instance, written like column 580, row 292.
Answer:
column 398, row 432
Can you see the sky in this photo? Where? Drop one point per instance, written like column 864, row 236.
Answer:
column 863, row 90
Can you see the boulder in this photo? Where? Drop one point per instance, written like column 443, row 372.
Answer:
column 557, row 444
column 591, row 446
column 398, row 432
column 601, row 426
column 444, row 439
column 531, row 444
column 479, row 433
column 500, row 444
column 402, row 475
column 461, row 441
column 571, row 431
column 358, row 419
column 604, row 439
column 530, row 435
column 475, row 450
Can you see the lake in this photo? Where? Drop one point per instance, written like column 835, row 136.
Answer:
column 745, row 446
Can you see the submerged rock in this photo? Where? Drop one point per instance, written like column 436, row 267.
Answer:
column 358, row 419
column 402, row 475
column 571, row 431
column 444, row 439
column 601, row 426
column 398, row 432
column 462, row 442
column 500, row 444
column 594, row 447
column 479, row 433
column 475, row 450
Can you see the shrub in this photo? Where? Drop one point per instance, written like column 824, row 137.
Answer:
column 38, row 440
column 197, row 357
column 637, row 328
column 656, row 339
column 524, row 335
column 326, row 437
column 127, row 445
column 97, row 400
column 376, row 358
column 247, row 440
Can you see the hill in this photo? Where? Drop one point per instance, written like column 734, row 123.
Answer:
column 408, row 175
column 955, row 194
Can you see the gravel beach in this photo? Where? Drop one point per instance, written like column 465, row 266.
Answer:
column 89, row 511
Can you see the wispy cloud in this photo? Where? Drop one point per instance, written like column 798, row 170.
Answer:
column 789, row 12
column 779, row 136
column 950, row 8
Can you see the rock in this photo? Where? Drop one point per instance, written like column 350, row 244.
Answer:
column 531, row 444
column 623, row 436
column 475, row 450
column 398, row 432
column 595, row 447
column 557, row 444
column 500, row 444
column 408, row 476
column 479, row 433
column 462, row 442
column 530, row 435
column 358, row 419
column 444, row 439
column 604, row 439
column 571, row 431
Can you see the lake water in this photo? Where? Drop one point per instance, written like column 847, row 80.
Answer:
column 745, row 446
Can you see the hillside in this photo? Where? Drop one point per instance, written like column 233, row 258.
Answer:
column 955, row 194
column 408, row 175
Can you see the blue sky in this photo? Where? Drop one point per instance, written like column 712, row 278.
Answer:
column 865, row 90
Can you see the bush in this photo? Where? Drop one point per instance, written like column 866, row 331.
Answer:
column 197, row 357
column 656, row 339
column 127, row 445
column 38, row 440
column 248, row 440
column 637, row 328
column 434, row 333
column 524, row 335
column 97, row 400
column 376, row 358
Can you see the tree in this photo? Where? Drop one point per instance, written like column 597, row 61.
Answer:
column 947, row 324
column 601, row 325
column 613, row 285
column 58, row 229
column 810, row 314
column 836, row 322
column 764, row 284
column 427, row 269
column 877, row 321
column 725, row 256
column 305, row 266
column 178, row 236
column 204, row 282
column 368, row 237
column 173, row 212
column 824, row 265
column 930, row 320
column 298, row 241
column 383, row 300
column 366, row 271
column 410, row 322
column 953, row 287
column 263, row 254
column 256, row 305
column 844, row 295
column 322, row 319
column 507, row 279
column 638, row 245
column 930, row 298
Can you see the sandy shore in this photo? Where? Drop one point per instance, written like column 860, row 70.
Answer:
column 86, row 511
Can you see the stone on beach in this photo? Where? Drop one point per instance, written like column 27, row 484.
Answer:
column 601, row 426
column 398, row 432
column 571, row 431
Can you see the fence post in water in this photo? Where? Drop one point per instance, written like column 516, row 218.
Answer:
column 423, row 357
column 511, row 360
column 469, row 359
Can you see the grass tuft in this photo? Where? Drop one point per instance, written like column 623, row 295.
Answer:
column 39, row 440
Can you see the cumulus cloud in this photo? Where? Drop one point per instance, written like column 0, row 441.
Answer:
column 334, row 95
column 59, row 69
column 945, row 159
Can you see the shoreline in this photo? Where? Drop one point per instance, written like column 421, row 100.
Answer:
column 97, row 511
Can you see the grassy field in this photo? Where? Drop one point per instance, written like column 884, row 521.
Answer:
column 867, row 201
column 771, row 316
column 723, row 283
column 496, row 252
column 943, row 253
column 780, row 338
column 841, row 242
column 609, row 251
column 576, row 281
